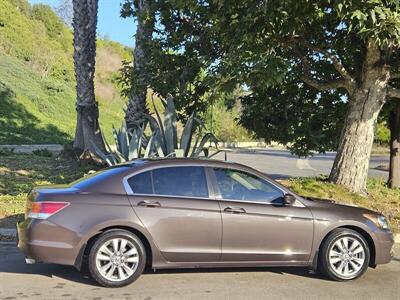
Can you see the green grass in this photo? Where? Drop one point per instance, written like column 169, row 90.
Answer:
column 19, row 173
column 380, row 198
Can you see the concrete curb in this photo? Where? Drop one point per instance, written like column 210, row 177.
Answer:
column 11, row 232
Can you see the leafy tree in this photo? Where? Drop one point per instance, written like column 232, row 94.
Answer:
column 174, row 63
column 345, row 47
column 88, row 134
column 294, row 114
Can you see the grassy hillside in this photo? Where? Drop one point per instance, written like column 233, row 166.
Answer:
column 37, row 85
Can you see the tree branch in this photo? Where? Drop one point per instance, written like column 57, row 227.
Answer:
column 337, row 64
column 393, row 92
column 323, row 86
column 349, row 83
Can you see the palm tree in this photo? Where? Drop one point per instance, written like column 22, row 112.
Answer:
column 88, row 134
column 137, row 108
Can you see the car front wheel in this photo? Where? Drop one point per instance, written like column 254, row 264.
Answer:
column 117, row 258
column 344, row 255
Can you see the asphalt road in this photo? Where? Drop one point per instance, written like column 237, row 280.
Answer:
column 19, row 281
column 281, row 163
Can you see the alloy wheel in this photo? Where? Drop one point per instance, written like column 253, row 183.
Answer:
column 347, row 257
column 117, row 259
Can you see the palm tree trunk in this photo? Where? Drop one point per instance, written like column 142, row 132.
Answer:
column 88, row 134
column 137, row 108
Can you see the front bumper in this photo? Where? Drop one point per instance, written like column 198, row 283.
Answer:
column 384, row 251
column 43, row 241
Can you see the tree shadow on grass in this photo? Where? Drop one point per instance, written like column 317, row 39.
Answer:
column 19, row 126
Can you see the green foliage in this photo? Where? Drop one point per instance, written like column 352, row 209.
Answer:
column 375, row 19
column 37, row 82
column 55, row 27
column 222, row 119
column 6, row 151
column 296, row 115
column 382, row 134
column 176, row 64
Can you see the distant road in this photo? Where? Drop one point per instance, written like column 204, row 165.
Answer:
column 282, row 164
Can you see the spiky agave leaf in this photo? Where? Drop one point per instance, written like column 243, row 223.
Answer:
column 155, row 127
column 134, row 144
column 123, row 139
column 207, row 137
column 108, row 148
column 150, row 146
column 105, row 157
column 158, row 118
column 170, row 134
column 115, row 135
column 187, row 135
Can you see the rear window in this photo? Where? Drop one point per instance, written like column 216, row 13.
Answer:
column 94, row 178
column 171, row 181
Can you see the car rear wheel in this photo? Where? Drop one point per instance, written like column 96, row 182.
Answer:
column 117, row 258
column 344, row 255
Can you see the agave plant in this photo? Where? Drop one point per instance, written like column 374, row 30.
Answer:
column 128, row 143
column 163, row 141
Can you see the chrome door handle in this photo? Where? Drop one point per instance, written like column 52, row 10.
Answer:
column 235, row 210
column 149, row 203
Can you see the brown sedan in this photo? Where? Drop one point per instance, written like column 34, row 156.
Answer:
column 186, row 213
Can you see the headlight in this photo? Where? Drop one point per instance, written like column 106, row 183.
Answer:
column 379, row 220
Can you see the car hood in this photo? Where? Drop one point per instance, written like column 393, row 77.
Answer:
column 336, row 206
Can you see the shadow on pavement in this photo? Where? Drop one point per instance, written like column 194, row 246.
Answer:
column 12, row 261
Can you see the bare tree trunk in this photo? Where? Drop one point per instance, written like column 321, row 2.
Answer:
column 351, row 164
column 394, row 167
column 88, row 134
column 137, row 108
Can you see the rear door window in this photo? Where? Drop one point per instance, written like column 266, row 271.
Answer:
column 180, row 181
column 171, row 181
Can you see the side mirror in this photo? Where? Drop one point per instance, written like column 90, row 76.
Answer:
column 289, row 200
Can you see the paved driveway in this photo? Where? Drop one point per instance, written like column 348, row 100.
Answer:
column 281, row 163
column 19, row 281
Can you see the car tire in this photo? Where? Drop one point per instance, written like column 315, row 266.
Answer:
column 344, row 255
column 116, row 258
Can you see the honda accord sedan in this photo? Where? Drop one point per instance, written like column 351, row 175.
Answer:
column 192, row 213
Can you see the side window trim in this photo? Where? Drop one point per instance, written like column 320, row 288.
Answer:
column 129, row 191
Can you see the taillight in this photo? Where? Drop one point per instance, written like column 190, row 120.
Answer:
column 43, row 210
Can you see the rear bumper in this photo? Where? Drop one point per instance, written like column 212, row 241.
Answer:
column 43, row 241
column 384, row 252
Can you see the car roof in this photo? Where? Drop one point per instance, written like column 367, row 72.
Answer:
column 182, row 161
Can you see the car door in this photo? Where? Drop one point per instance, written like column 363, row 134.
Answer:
column 256, row 225
column 176, row 206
